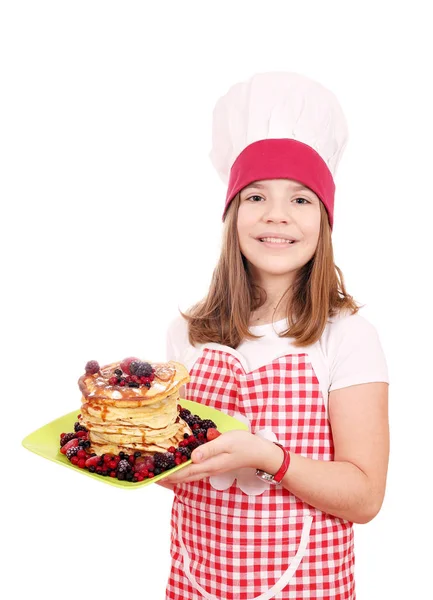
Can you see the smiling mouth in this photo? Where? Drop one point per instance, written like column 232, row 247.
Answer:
column 272, row 240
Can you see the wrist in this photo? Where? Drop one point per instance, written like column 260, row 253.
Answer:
column 270, row 458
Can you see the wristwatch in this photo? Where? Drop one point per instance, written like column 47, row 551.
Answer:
column 278, row 477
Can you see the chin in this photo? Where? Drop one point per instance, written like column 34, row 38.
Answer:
column 278, row 268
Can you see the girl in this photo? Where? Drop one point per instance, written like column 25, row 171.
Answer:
column 279, row 344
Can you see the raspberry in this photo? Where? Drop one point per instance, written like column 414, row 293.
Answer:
column 163, row 462
column 113, row 380
column 72, row 452
column 74, row 460
column 83, row 434
column 67, row 438
column 92, row 367
column 144, row 463
column 193, row 444
column 92, row 462
column 81, row 453
column 206, row 423
column 81, row 463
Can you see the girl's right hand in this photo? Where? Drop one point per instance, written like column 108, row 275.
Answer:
column 169, row 486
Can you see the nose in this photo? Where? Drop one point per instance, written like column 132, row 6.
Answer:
column 277, row 210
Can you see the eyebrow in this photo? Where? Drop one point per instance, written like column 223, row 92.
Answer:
column 260, row 186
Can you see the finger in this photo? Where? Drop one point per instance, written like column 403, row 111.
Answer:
column 209, row 450
column 165, row 484
column 215, row 464
column 196, row 478
column 182, row 474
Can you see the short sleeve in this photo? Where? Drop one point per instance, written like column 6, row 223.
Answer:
column 355, row 353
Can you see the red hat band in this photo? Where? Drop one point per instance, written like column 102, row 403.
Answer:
column 282, row 159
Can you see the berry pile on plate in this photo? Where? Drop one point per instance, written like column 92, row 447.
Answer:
column 137, row 466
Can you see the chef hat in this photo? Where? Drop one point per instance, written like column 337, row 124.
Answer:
column 279, row 126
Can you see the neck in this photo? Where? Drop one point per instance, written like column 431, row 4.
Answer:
column 277, row 296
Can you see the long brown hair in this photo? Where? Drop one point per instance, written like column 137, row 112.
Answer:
column 317, row 293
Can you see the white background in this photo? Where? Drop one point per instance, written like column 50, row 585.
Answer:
column 111, row 220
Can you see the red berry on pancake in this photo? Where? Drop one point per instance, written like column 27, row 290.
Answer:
column 124, row 365
column 92, row 367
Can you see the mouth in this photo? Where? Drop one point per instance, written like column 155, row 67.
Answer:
column 277, row 241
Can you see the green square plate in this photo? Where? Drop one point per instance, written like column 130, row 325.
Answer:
column 45, row 441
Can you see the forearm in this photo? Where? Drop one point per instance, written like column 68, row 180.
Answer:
column 335, row 487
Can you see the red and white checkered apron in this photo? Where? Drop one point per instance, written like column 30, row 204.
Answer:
column 228, row 545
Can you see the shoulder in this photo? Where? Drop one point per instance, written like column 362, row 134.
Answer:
column 346, row 324
column 354, row 352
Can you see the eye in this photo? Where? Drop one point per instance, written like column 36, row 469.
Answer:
column 255, row 198
column 302, row 201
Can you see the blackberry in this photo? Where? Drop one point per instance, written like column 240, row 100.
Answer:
column 118, row 372
column 191, row 420
column 123, row 466
column 157, row 471
column 129, row 476
column 137, row 454
column 206, row 423
column 67, row 438
column 185, row 451
column 199, row 430
column 72, row 452
column 184, row 412
column 163, row 461
column 92, row 469
column 133, row 384
column 79, row 427
column 121, row 454
column 143, row 369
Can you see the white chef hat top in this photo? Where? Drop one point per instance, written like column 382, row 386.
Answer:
column 277, row 105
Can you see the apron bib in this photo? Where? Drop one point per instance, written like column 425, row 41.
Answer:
column 228, row 545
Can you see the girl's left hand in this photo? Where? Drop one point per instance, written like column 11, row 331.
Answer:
column 231, row 450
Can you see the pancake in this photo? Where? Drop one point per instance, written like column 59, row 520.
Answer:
column 124, row 412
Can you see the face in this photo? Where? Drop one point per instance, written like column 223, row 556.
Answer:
column 278, row 227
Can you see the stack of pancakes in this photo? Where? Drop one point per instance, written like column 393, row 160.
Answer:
column 131, row 419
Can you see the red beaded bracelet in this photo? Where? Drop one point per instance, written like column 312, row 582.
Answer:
column 278, row 477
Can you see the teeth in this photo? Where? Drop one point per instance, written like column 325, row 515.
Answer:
column 276, row 240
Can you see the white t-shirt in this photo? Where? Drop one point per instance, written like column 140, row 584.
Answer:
column 348, row 353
